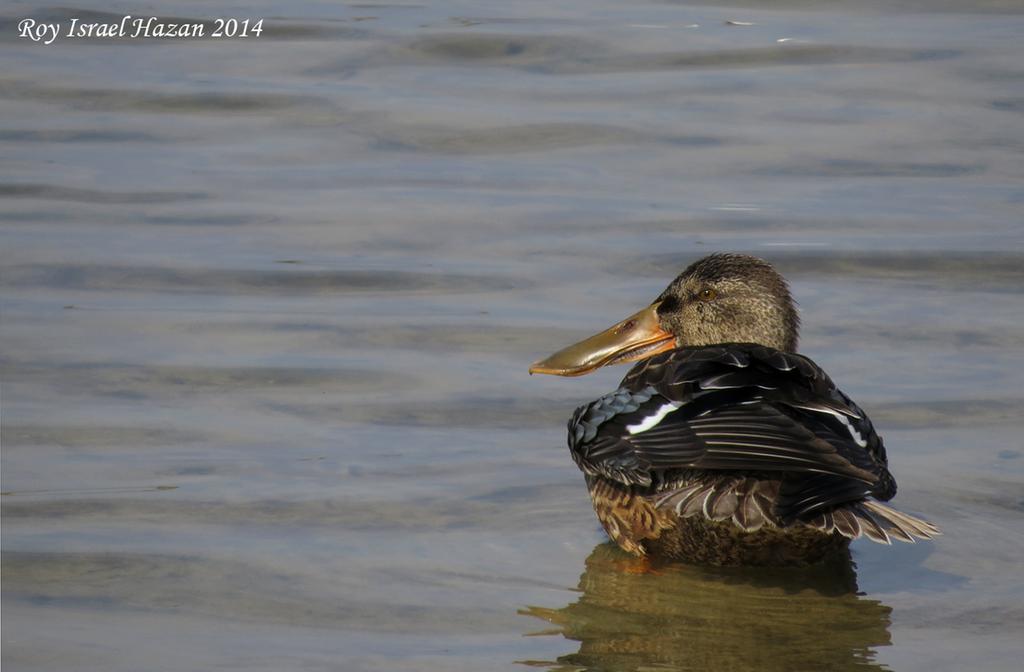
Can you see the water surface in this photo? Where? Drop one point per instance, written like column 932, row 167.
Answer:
column 268, row 306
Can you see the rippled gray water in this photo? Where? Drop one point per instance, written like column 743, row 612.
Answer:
column 268, row 306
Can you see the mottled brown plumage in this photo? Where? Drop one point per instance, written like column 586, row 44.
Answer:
column 722, row 446
column 640, row 525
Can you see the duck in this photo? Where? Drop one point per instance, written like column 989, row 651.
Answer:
column 722, row 445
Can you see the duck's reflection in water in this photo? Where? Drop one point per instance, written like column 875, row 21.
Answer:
column 689, row 618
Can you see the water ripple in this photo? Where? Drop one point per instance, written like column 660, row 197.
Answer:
column 89, row 277
column 58, row 193
column 567, row 55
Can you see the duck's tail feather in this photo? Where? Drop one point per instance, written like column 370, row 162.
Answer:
column 876, row 521
column 746, row 501
column 750, row 504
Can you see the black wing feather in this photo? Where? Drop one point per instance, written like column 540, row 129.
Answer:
column 738, row 407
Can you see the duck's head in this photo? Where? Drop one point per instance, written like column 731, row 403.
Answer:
column 722, row 298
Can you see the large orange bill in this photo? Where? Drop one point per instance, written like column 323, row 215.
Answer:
column 637, row 337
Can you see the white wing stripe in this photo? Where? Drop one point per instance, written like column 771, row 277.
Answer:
column 653, row 420
column 857, row 438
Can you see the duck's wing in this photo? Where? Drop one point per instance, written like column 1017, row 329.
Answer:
column 737, row 408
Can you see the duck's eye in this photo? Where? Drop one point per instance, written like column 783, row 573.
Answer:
column 707, row 294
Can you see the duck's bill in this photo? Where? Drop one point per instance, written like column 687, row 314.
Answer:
column 639, row 336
